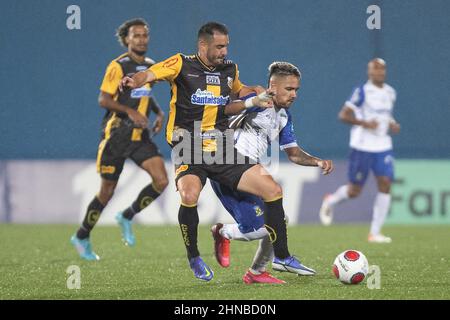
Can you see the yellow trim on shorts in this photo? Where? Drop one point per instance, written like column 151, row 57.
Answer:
column 274, row 199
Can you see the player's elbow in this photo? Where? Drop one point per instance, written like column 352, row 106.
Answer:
column 342, row 116
column 101, row 100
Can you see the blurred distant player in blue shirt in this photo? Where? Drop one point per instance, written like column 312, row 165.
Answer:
column 256, row 129
column 369, row 111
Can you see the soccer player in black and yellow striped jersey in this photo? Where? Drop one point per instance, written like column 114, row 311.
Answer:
column 202, row 87
column 125, row 135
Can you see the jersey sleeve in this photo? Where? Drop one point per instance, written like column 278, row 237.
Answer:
column 287, row 137
column 112, row 78
column 237, row 84
column 394, row 95
column 168, row 69
column 356, row 99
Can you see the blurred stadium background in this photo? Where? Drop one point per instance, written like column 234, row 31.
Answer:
column 50, row 119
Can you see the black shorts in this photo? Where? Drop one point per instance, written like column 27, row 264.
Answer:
column 226, row 174
column 113, row 152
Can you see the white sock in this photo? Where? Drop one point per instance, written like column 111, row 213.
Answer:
column 380, row 211
column 232, row 232
column 263, row 255
column 341, row 194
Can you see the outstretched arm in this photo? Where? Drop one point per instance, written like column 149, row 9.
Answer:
column 263, row 100
column 137, row 80
column 300, row 157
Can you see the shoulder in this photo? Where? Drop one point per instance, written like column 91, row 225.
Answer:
column 123, row 58
column 116, row 65
column 389, row 88
column 228, row 62
column 284, row 117
column 230, row 67
column 188, row 57
column 149, row 61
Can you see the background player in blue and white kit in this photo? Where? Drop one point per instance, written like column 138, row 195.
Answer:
column 257, row 128
column 369, row 111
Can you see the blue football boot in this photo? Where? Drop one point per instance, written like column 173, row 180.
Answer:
column 201, row 269
column 127, row 233
column 293, row 265
column 84, row 248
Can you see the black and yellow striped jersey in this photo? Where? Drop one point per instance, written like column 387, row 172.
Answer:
column 198, row 93
column 139, row 99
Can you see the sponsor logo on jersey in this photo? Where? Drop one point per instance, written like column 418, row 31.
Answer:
column 141, row 68
column 170, row 62
column 140, row 92
column 206, row 97
column 215, row 80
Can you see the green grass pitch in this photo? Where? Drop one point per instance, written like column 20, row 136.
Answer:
column 34, row 260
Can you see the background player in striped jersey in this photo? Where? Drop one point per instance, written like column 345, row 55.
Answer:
column 369, row 111
column 125, row 135
column 257, row 128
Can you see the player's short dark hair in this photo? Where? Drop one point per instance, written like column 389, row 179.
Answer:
column 281, row 68
column 207, row 30
column 122, row 31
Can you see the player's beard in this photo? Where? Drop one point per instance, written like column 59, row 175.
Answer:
column 139, row 52
column 215, row 61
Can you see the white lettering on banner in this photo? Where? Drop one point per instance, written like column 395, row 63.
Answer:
column 73, row 22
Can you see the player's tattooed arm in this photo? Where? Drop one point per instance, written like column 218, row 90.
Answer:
column 347, row 115
column 300, row 157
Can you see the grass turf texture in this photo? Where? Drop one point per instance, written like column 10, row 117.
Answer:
column 34, row 259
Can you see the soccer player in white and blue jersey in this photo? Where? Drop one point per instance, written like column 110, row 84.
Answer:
column 257, row 128
column 369, row 111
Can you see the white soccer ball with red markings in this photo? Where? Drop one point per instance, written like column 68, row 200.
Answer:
column 351, row 267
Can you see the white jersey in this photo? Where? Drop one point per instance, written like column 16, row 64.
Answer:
column 260, row 127
column 370, row 102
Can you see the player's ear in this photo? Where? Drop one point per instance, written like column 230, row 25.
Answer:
column 272, row 84
column 202, row 43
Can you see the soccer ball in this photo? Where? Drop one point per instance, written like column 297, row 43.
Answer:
column 351, row 267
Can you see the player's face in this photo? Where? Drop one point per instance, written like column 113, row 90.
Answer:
column 137, row 39
column 286, row 88
column 376, row 72
column 217, row 49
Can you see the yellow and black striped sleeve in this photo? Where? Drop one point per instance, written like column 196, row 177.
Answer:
column 168, row 69
column 112, row 78
column 237, row 84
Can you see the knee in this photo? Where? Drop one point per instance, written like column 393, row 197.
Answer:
column 384, row 187
column 160, row 184
column 189, row 197
column 353, row 192
column 273, row 192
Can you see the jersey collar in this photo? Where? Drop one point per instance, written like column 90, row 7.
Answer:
column 204, row 64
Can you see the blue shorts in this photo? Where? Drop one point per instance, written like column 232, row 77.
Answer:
column 360, row 163
column 245, row 208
